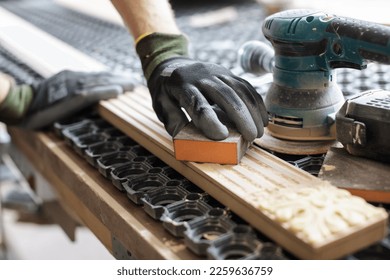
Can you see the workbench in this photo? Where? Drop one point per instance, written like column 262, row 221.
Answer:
column 121, row 226
column 128, row 232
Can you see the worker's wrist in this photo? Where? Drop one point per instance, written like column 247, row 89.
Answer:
column 15, row 105
column 139, row 38
column 155, row 48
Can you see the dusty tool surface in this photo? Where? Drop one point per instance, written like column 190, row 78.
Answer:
column 292, row 147
column 351, row 8
column 363, row 177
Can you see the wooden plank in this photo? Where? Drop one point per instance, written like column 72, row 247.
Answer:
column 21, row 154
column 99, row 205
column 297, row 210
column 362, row 177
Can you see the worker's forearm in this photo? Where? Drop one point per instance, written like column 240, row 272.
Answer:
column 147, row 16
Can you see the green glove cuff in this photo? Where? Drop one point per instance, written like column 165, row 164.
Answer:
column 16, row 104
column 158, row 47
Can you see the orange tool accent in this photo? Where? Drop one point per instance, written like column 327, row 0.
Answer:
column 190, row 145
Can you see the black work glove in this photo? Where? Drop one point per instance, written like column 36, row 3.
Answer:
column 204, row 90
column 60, row 96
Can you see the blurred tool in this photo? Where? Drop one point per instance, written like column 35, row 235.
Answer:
column 256, row 57
column 304, row 96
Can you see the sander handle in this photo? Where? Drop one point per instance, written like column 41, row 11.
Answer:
column 309, row 40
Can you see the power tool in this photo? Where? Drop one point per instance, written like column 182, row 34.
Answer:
column 304, row 96
column 363, row 125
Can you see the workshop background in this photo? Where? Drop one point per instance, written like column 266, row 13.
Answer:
column 216, row 30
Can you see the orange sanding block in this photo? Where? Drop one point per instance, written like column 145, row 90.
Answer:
column 191, row 145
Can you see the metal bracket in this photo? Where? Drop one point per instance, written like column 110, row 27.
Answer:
column 359, row 133
column 119, row 251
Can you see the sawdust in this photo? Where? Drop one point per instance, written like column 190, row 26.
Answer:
column 174, row 245
column 328, row 167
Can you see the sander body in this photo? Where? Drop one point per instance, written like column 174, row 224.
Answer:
column 308, row 45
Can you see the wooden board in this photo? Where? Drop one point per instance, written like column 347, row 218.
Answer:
column 363, row 177
column 309, row 217
column 295, row 209
column 100, row 206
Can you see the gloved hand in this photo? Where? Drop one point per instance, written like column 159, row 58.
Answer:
column 204, row 90
column 60, row 96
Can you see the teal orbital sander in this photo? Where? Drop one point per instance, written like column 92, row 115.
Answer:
column 304, row 97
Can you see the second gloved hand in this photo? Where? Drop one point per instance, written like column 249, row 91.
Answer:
column 179, row 82
column 58, row 97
